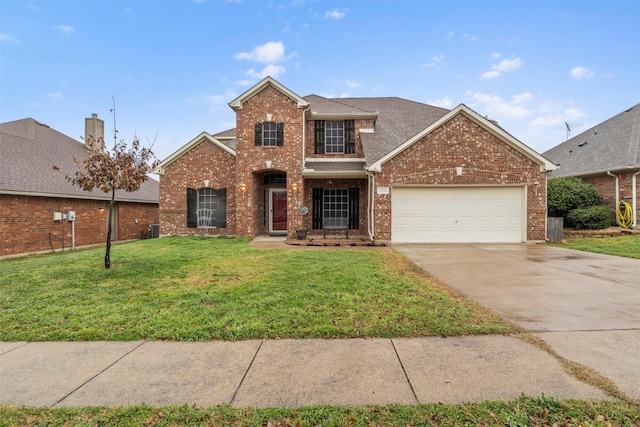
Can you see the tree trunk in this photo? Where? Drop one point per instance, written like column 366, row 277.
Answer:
column 107, row 255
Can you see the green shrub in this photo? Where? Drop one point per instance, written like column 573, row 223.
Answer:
column 591, row 218
column 567, row 194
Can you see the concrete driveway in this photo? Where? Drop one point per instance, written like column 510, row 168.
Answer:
column 585, row 305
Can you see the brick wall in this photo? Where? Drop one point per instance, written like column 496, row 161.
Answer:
column 606, row 187
column 251, row 160
column 205, row 161
column 27, row 223
column 485, row 159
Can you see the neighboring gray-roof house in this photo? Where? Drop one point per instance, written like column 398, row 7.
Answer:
column 607, row 156
column 35, row 161
column 613, row 145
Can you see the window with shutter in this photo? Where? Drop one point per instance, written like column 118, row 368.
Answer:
column 349, row 136
column 258, row 134
column 316, row 209
column 354, row 208
column 319, row 136
column 192, row 207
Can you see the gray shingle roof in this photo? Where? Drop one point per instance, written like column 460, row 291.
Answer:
column 611, row 145
column 35, row 160
column 397, row 120
column 354, row 166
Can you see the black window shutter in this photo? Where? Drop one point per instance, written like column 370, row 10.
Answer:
column 221, row 214
column 316, row 208
column 258, row 135
column 280, row 134
column 319, row 137
column 192, row 207
column 350, row 136
column 354, row 208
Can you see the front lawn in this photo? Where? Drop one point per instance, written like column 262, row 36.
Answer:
column 200, row 288
column 626, row 246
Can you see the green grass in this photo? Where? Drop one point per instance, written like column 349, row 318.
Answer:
column 542, row 411
column 625, row 246
column 200, row 288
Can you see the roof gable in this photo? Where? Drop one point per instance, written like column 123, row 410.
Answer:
column 204, row 136
column 37, row 159
column 236, row 104
column 545, row 164
column 611, row 145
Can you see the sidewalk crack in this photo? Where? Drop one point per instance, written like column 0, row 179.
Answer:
column 246, row 372
column 96, row 375
column 404, row 371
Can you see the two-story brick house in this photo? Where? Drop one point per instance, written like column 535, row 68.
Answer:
column 388, row 169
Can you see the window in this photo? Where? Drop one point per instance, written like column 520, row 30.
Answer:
column 335, row 137
column 269, row 134
column 206, row 207
column 336, row 207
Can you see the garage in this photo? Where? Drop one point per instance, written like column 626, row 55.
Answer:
column 448, row 214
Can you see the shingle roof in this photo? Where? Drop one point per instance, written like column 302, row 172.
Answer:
column 397, row 120
column 355, row 166
column 611, row 145
column 36, row 160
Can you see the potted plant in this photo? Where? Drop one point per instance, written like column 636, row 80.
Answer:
column 301, row 233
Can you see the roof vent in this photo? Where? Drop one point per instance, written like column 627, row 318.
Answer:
column 582, row 144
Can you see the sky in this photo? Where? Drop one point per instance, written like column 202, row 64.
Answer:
column 542, row 69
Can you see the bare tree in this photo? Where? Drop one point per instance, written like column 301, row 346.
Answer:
column 121, row 168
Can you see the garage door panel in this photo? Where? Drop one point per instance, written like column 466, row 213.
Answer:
column 457, row 214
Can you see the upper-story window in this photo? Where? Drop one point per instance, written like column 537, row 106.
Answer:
column 335, row 137
column 269, row 134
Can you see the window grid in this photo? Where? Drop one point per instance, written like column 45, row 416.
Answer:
column 269, row 134
column 334, row 137
column 335, row 207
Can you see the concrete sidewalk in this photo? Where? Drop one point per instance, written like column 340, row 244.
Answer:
column 281, row 373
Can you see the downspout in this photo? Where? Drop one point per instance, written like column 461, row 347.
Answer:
column 617, row 187
column 634, row 192
column 371, row 206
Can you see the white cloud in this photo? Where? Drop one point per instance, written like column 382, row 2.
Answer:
column 223, row 98
column 450, row 35
column 504, row 66
column 435, row 61
column 580, row 73
column 334, row 14
column 55, row 95
column 495, row 55
column 555, row 116
column 66, row 29
column 270, row 70
column 352, row 83
column 498, row 108
column 490, row 75
column 8, row 38
column 267, row 53
column 469, row 38
column 508, row 65
column 442, row 102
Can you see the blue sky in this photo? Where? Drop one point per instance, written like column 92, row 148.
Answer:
column 172, row 66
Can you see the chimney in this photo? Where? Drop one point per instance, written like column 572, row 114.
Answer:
column 94, row 133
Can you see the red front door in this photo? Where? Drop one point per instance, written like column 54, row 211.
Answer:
column 278, row 215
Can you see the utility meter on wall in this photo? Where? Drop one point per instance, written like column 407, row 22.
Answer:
column 71, row 216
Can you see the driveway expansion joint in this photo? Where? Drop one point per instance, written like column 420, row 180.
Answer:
column 246, row 372
column 404, row 371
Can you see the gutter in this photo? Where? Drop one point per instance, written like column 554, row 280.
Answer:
column 617, row 187
column 371, row 228
column 634, row 190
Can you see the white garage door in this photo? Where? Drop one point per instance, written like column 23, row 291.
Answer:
column 457, row 214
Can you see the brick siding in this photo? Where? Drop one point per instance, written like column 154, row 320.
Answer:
column 606, row 187
column 485, row 160
column 28, row 226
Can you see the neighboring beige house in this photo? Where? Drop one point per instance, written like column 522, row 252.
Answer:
column 35, row 194
column 388, row 169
